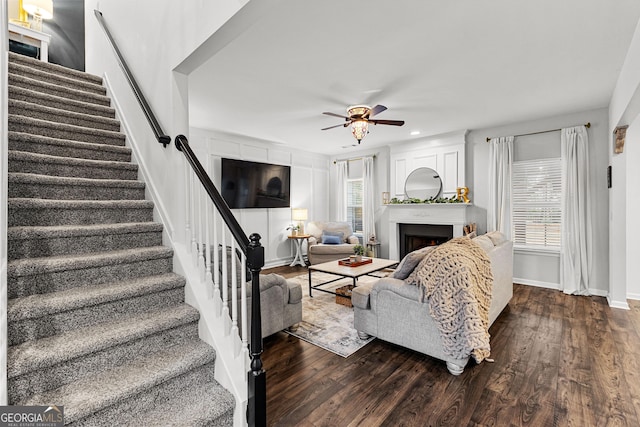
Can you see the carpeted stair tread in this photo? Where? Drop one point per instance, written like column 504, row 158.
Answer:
column 18, row 177
column 100, row 391
column 41, row 305
column 61, row 91
column 53, row 114
column 26, row 142
column 46, row 265
column 53, row 68
column 43, row 241
column 36, row 163
column 46, row 204
column 60, row 103
column 73, row 188
column 34, row 212
column 45, row 352
column 44, row 232
column 194, row 406
column 58, row 79
column 64, row 131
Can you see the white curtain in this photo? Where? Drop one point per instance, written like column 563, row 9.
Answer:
column 368, row 211
column 500, row 163
column 341, row 191
column 576, row 249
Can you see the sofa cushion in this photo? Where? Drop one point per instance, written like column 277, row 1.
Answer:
column 409, row 263
column 343, row 248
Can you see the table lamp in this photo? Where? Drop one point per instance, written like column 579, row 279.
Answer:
column 40, row 9
column 300, row 215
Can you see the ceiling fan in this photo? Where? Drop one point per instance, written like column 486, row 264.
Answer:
column 359, row 117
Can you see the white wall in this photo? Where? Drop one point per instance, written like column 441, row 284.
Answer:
column 309, row 186
column 543, row 269
column 624, row 206
column 153, row 44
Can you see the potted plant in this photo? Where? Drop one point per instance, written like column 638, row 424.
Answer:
column 359, row 251
column 294, row 229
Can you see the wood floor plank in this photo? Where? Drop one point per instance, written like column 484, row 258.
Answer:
column 560, row 360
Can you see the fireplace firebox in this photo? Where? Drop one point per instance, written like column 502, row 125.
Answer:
column 417, row 236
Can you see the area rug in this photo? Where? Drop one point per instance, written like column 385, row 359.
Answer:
column 325, row 323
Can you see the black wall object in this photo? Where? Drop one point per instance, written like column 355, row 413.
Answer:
column 67, row 34
column 609, row 176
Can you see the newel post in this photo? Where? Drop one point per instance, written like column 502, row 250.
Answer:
column 257, row 405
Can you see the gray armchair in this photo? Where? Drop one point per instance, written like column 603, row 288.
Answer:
column 280, row 300
column 332, row 249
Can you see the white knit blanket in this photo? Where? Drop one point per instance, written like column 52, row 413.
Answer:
column 456, row 279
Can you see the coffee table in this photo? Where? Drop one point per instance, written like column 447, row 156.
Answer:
column 344, row 271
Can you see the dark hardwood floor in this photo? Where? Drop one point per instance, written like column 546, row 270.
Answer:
column 559, row 361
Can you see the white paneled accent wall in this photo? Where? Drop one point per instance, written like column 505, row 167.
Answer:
column 443, row 153
column 309, row 185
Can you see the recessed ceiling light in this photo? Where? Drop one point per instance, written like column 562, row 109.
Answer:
column 415, row 132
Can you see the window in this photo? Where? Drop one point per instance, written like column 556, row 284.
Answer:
column 354, row 204
column 536, row 191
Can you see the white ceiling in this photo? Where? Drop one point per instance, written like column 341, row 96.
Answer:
column 441, row 66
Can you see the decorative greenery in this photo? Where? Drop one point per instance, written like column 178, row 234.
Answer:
column 293, row 227
column 358, row 250
column 411, row 201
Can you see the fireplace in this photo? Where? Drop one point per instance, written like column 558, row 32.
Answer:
column 417, row 236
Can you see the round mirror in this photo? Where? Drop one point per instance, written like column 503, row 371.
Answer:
column 423, row 184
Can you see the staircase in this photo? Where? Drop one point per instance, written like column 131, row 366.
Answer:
column 96, row 317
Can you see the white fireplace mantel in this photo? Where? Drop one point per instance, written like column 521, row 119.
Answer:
column 456, row 214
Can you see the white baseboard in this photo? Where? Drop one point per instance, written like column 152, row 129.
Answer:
column 618, row 304
column 633, row 296
column 536, row 283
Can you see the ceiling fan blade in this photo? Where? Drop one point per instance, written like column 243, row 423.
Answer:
column 336, row 126
column 336, row 115
column 377, row 110
column 387, row 122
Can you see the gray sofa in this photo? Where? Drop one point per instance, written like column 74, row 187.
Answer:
column 390, row 309
column 319, row 252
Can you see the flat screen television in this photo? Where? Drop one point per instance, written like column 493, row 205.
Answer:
column 248, row 185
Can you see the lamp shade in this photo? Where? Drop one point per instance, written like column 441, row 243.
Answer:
column 42, row 8
column 299, row 214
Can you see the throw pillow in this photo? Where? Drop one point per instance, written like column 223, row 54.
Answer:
column 338, row 234
column 484, row 242
column 330, row 240
column 496, row 237
column 409, row 263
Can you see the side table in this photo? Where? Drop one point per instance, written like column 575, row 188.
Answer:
column 298, row 239
column 374, row 248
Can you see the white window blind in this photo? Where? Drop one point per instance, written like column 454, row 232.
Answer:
column 354, row 204
column 536, row 191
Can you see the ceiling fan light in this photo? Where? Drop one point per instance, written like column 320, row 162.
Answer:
column 359, row 129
